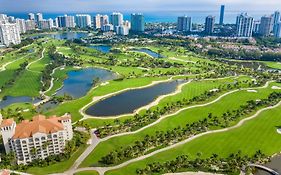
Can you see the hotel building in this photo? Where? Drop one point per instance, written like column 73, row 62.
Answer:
column 36, row 139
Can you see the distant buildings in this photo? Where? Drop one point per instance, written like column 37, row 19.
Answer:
column 9, row 33
column 116, row 19
column 137, row 22
column 100, row 21
column 244, row 25
column 31, row 16
column 66, row 21
column 209, row 25
column 36, row 139
column 222, row 15
column 39, row 17
column 46, row 24
column 107, row 28
column 83, row 21
column 276, row 21
column 277, row 32
column 265, row 26
column 29, row 25
column 256, row 26
column 21, row 25
column 184, row 24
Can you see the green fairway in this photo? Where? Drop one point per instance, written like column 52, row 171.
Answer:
column 57, row 167
column 257, row 134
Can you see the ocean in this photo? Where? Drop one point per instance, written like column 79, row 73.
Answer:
column 164, row 16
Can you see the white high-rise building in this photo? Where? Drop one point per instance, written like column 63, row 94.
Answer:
column 101, row 20
column 116, row 19
column 244, row 25
column 9, row 34
column 36, row 139
column 83, row 20
column 21, row 25
column 3, row 17
column 66, row 21
column 39, row 17
column 29, row 25
column 31, row 16
column 122, row 30
column 46, row 24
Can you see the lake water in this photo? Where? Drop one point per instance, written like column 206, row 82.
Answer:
column 101, row 48
column 79, row 82
column 22, row 99
column 274, row 164
column 129, row 101
column 63, row 35
column 149, row 52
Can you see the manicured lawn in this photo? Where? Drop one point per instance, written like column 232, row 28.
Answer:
column 274, row 65
column 74, row 106
column 87, row 173
column 257, row 134
column 229, row 102
column 57, row 167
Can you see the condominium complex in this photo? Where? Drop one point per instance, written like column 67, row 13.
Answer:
column 266, row 26
column 100, row 21
column 184, row 24
column 31, row 16
column 9, row 34
column 21, row 25
column 46, row 24
column 83, row 21
column 116, row 19
column 36, row 139
column 244, row 25
column 137, row 22
column 66, row 21
column 30, row 25
column 209, row 25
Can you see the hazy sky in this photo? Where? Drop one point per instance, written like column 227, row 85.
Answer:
column 135, row 5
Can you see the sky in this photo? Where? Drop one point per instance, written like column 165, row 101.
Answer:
column 135, row 5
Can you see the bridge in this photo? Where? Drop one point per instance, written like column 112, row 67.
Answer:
column 271, row 171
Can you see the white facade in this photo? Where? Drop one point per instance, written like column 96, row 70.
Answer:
column 46, row 24
column 101, row 20
column 30, row 25
column 9, row 34
column 122, row 30
column 244, row 25
column 39, row 144
column 83, row 20
column 21, row 25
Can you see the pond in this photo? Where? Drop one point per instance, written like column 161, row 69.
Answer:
column 101, row 48
column 127, row 102
column 9, row 100
column 63, row 35
column 274, row 164
column 79, row 82
column 149, row 52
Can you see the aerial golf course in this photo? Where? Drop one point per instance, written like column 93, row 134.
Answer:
column 193, row 108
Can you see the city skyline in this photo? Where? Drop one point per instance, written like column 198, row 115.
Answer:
column 123, row 5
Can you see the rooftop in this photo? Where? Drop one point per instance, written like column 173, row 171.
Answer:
column 38, row 124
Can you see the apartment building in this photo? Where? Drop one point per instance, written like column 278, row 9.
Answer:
column 36, row 139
